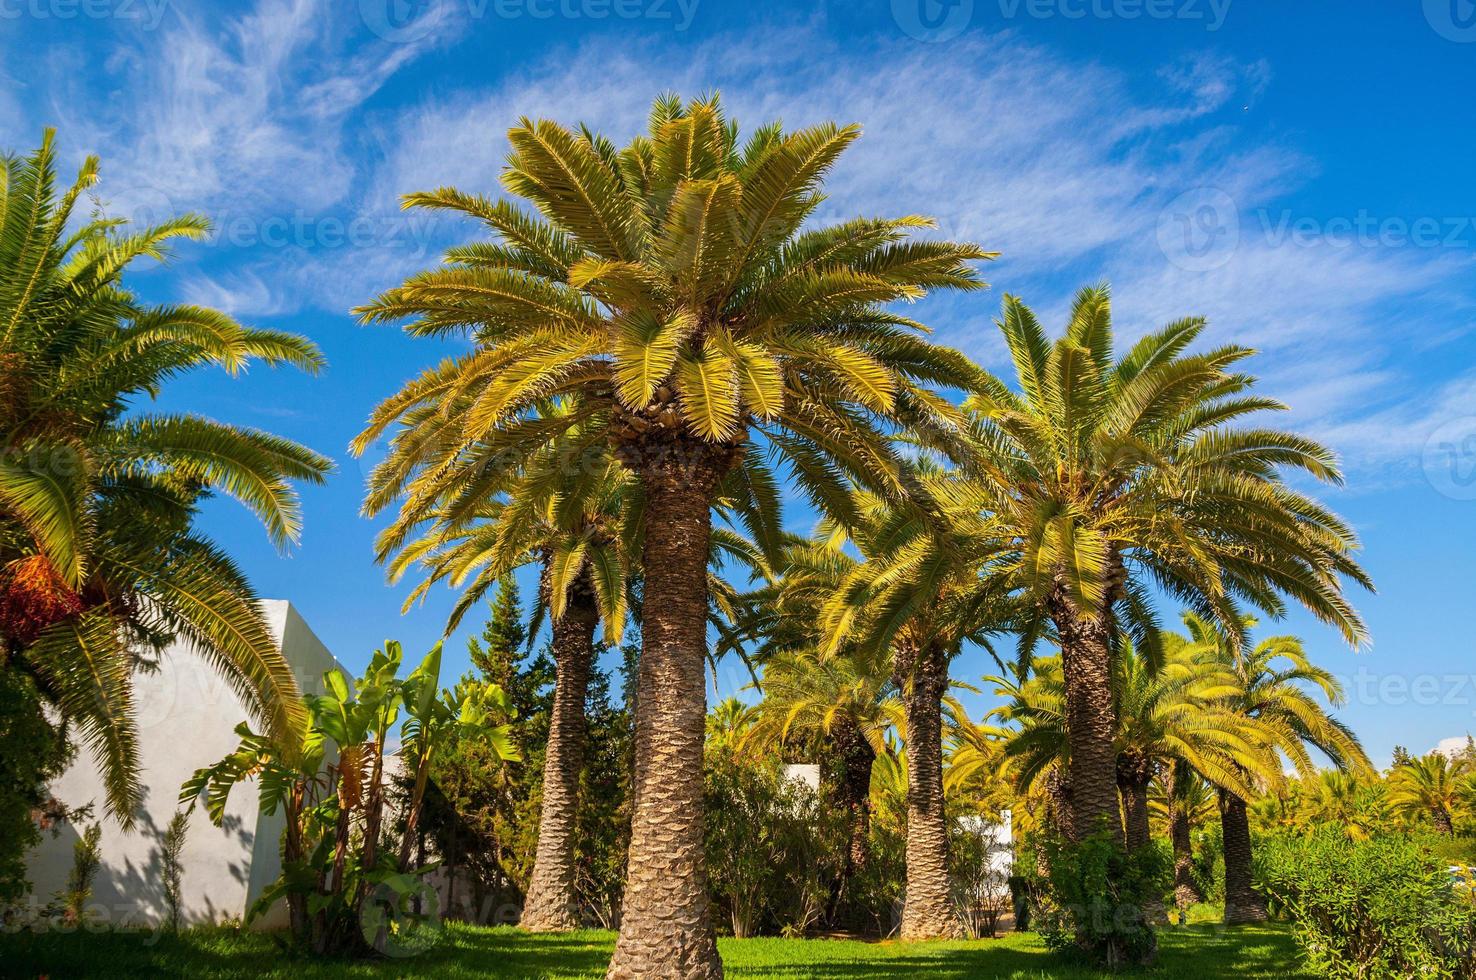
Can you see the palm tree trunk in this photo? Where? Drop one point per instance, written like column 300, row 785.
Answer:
column 666, row 928
column 858, row 758
column 1443, row 825
column 1242, row 902
column 1134, row 775
column 1090, row 782
column 1186, row 889
column 927, row 912
column 551, row 905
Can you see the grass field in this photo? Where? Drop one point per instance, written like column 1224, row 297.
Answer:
column 1199, row 952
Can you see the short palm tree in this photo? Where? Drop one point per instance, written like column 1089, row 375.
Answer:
column 842, row 701
column 1429, row 788
column 922, row 593
column 1183, row 800
column 1276, row 684
column 100, row 564
column 667, row 291
column 1115, row 474
column 846, row 701
column 1357, row 806
column 1167, row 714
column 574, row 528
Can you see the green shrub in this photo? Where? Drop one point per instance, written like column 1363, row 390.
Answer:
column 1388, row 907
column 171, row 873
column 1097, row 894
column 32, row 751
column 86, row 860
column 773, row 847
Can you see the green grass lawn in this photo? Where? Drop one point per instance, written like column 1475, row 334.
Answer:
column 1200, row 952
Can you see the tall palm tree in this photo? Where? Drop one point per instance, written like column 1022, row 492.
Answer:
column 1427, row 787
column 923, row 591
column 1274, row 685
column 579, row 524
column 1114, row 474
column 100, row 563
column 666, row 290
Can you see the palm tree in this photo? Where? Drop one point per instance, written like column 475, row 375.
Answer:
column 667, row 292
column 1183, row 800
column 1359, row 807
column 1114, row 474
column 845, row 699
column 842, row 700
column 575, row 523
column 922, row 593
column 1167, row 714
column 1274, row 685
column 1427, row 787
column 100, row 564
column 574, row 528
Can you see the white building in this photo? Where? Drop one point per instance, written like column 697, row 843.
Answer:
column 186, row 719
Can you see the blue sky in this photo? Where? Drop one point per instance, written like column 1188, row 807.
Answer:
column 1299, row 173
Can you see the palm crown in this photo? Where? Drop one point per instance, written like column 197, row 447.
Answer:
column 667, row 291
column 99, row 562
column 1120, row 474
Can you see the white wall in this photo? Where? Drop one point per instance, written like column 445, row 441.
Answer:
column 186, row 717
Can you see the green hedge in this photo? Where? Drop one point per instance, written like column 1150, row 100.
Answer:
column 1388, row 907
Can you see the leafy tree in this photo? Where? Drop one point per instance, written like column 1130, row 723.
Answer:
column 483, row 815
column 100, row 563
column 666, row 294
column 345, row 892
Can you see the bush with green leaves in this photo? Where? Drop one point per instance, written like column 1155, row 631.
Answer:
column 86, row 860
column 1096, row 896
column 978, row 879
column 171, row 874
column 773, row 847
column 33, row 750
column 1387, row 907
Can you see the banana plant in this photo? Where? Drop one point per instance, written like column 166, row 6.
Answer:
column 472, row 710
column 331, row 784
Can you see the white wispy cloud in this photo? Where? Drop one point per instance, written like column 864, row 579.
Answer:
column 1075, row 171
